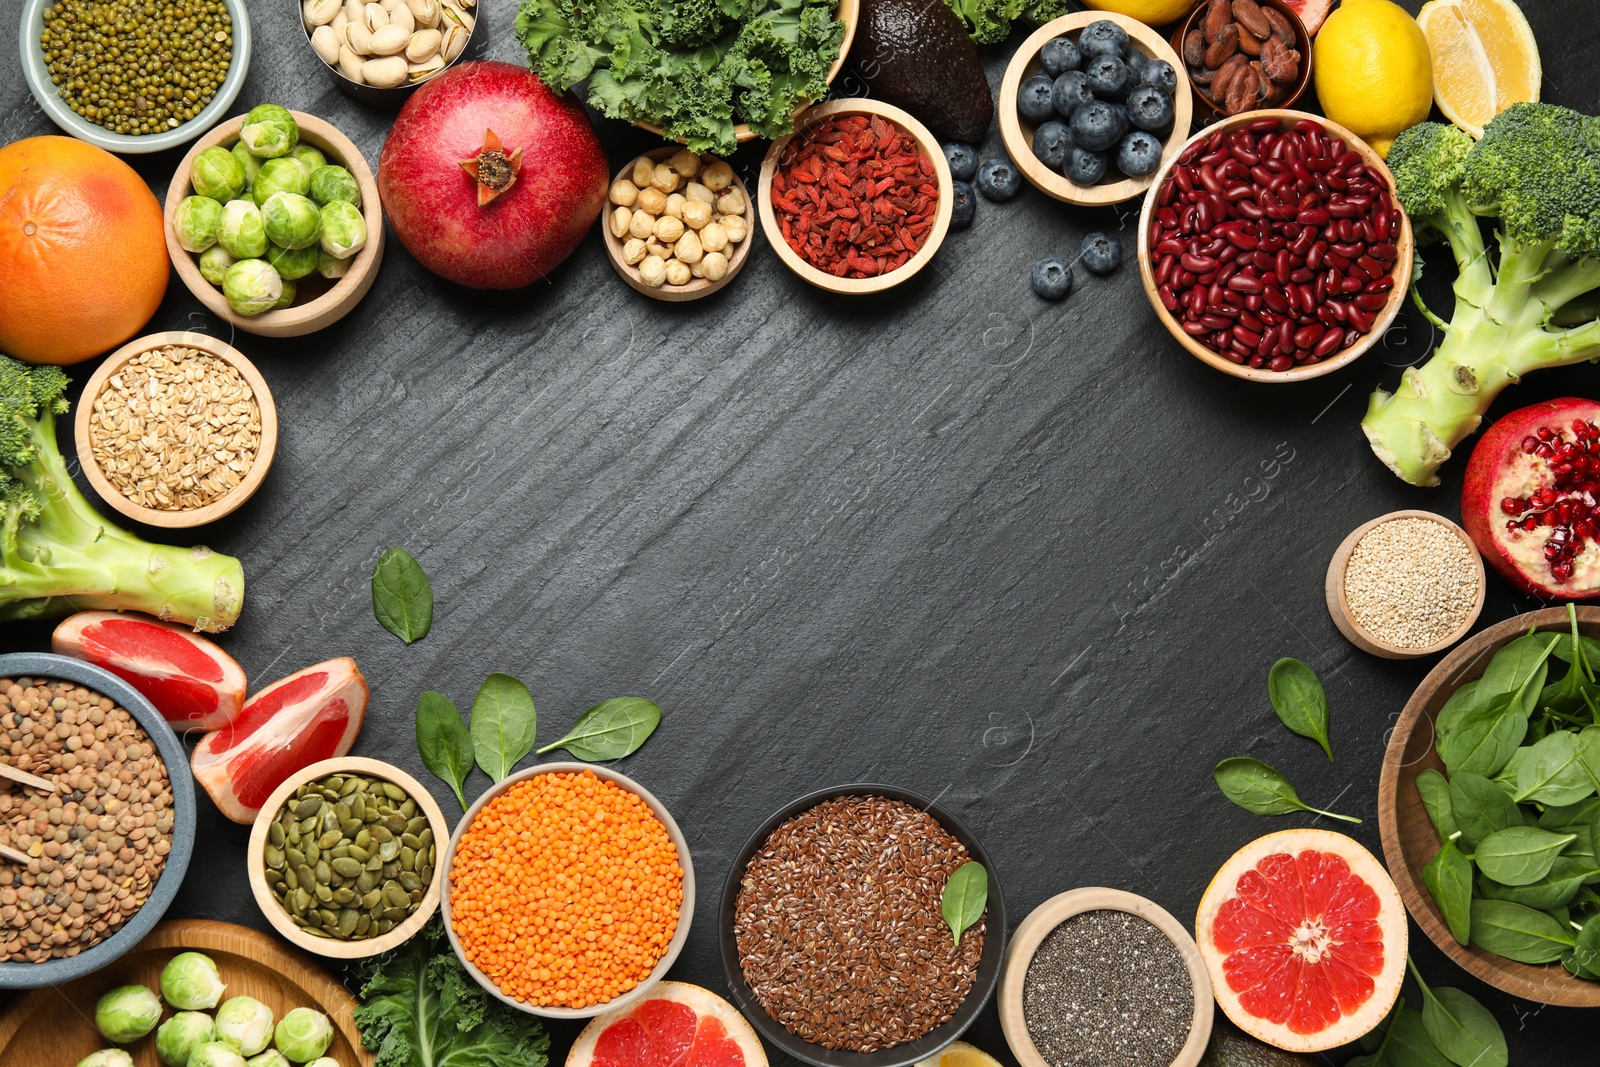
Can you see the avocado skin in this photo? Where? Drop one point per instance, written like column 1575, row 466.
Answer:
column 1232, row 1048
column 916, row 54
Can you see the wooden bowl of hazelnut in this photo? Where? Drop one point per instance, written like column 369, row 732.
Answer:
column 677, row 225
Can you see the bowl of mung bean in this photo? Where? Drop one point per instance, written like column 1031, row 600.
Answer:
column 93, row 67
column 832, row 933
column 343, row 858
column 207, row 410
column 109, row 847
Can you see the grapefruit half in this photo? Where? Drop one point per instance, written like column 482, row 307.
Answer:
column 678, row 1025
column 1304, row 936
column 193, row 683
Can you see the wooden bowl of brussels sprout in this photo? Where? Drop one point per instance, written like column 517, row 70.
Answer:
column 305, row 261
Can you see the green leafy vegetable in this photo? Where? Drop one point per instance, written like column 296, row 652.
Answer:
column 966, row 895
column 1518, row 933
column 1448, row 877
column 1482, row 740
column 610, row 730
column 1258, row 788
column 444, row 741
column 504, row 723
column 1520, row 855
column 1459, row 1026
column 1298, row 698
column 1480, row 807
column 402, row 599
column 1584, row 958
column 1435, row 791
column 1551, row 772
column 989, row 21
column 1556, row 889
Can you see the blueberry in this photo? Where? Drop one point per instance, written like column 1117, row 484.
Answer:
column 1149, row 108
column 1051, row 143
column 1097, row 126
column 1136, row 61
column 963, row 161
column 1060, row 55
column 1160, row 74
column 1035, row 99
column 1070, row 92
column 963, row 205
column 1085, row 167
column 1103, row 38
column 998, row 179
column 1101, row 253
column 1107, row 77
column 1139, row 154
column 1052, row 277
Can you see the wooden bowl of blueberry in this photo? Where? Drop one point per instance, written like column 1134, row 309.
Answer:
column 1091, row 105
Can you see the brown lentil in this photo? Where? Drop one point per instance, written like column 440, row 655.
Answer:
column 839, row 928
column 100, row 841
column 1411, row 582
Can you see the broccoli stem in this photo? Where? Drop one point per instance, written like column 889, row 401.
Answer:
column 1474, row 278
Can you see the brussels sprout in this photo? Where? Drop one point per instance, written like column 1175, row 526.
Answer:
column 287, row 175
column 249, row 161
column 270, row 1058
column 269, row 131
column 194, row 223
column 217, row 174
column 127, row 1013
column 287, row 299
column 332, row 183
column 331, row 266
column 326, row 1061
column 190, row 982
column 107, row 1057
column 251, row 286
column 291, row 220
column 292, row 263
column 303, row 1034
column 310, row 155
column 214, row 263
column 245, row 1022
column 215, row 1054
column 178, row 1036
column 344, row 231
column 241, row 231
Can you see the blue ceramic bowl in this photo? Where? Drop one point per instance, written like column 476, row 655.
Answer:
column 55, row 972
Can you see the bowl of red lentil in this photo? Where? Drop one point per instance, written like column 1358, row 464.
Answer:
column 825, row 896
column 568, row 890
column 108, row 849
column 857, row 199
column 206, row 408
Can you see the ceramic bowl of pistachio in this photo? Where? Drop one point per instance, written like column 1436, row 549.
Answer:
column 379, row 51
column 343, row 857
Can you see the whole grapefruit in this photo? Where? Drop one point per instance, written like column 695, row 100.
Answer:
column 82, row 251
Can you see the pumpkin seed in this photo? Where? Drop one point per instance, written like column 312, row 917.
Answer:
column 274, row 856
column 357, row 853
column 346, row 867
column 275, row 835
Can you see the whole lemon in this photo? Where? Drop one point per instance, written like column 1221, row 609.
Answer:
column 1149, row 12
column 1373, row 72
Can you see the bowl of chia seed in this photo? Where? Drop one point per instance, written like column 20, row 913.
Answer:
column 1103, row 978
column 833, row 937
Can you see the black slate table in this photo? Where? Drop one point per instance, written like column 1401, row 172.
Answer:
column 1029, row 558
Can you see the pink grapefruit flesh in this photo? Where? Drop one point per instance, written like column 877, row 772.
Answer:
column 193, row 683
column 677, row 1025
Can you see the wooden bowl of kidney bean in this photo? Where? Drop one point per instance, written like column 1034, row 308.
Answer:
column 1273, row 246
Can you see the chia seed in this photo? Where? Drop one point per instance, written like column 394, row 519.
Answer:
column 1107, row 989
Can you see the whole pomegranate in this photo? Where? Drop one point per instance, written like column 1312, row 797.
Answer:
column 489, row 178
column 1531, row 501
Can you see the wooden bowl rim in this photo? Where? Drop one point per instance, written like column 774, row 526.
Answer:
column 1302, row 42
column 215, row 510
column 697, row 287
column 1544, row 984
column 1339, row 607
column 1019, row 141
column 1381, row 322
column 332, row 305
column 941, row 221
column 1063, row 906
column 255, row 859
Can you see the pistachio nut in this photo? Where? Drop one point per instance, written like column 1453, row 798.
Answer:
column 320, row 12
column 425, row 12
column 426, row 69
column 424, row 44
column 401, row 16
column 375, row 17
column 385, row 73
column 391, row 40
column 455, row 40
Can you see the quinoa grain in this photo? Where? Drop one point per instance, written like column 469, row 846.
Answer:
column 1411, row 582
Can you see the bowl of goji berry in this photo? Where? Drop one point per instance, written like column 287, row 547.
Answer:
column 858, row 198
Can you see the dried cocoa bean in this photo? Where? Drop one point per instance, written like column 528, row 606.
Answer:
column 1202, row 76
column 1225, row 75
column 1279, row 62
column 1247, row 13
column 1281, row 28
column 1218, row 15
column 1194, row 48
column 1249, row 44
column 1264, row 86
column 1242, row 89
column 1225, row 45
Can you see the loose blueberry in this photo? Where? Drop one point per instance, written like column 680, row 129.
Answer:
column 1070, row 92
column 1136, row 61
column 1102, row 253
column 1060, row 55
column 1097, row 126
column 1085, row 167
column 1051, row 143
column 1139, row 154
column 998, row 179
column 1160, row 74
column 1052, row 277
column 1107, row 77
column 963, row 205
column 1035, row 99
column 963, row 161
column 1149, row 108
column 1103, row 38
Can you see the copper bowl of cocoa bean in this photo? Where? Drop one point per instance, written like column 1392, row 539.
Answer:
column 1241, row 55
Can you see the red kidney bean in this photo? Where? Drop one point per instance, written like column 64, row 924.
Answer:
column 1370, row 301
column 1330, row 343
column 1194, row 329
column 1380, row 285
column 1213, row 322
column 1372, row 266
column 1337, row 262
column 1197, row 264
column 1246, row 337
column 1168, row 300
column 1351, row 285
column 1314, row 255
column 1384, row 252
column 1275, row 300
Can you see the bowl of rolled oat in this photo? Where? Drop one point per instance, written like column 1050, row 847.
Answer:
column 176, row 429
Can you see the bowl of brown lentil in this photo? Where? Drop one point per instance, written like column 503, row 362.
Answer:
column 207, row 410
column 88, row 64
column 110, row 848
column 822, row 900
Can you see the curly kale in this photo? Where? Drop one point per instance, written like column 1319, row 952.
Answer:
column 989, row 21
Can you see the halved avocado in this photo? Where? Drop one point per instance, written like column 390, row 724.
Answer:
column 915, row 54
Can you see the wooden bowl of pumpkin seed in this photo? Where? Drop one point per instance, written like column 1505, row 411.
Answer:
column 343, row 857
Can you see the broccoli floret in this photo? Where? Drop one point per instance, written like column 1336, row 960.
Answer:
column 1537, row 170
column 57, row 555
column 1427, row 161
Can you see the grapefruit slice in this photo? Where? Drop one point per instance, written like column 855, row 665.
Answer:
column 678, row 1025
column 1312, row 12
column 193, row 683
column 1304, row 936
column 313, row 714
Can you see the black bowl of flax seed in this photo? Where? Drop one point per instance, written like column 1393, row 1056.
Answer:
column 832, row 935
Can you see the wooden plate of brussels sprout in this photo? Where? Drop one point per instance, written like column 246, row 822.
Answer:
column 56, row 1025
column 297, row 258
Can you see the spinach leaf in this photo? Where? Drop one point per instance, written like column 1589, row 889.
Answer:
column 444, row 741
column 503, row 724
column 1483, row 740
column 1520, row 667
column 1448, row 877
column 1480, row 808
column 1520, row 855
column 1435, row 793
column 1566, row 696
column 1298, row 698
column 1402, row 1043
column 1518, row 933
column 1460, row 1027
column 1551, row 772
column 1584, row 959
column 402, row 599
column 1556, row 889
column 1589, row 753
column 610, row 730
column 1258, row 788
column 965, row 897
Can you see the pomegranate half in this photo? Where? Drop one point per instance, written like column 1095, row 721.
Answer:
column 193, row 683
column 1531, row 499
